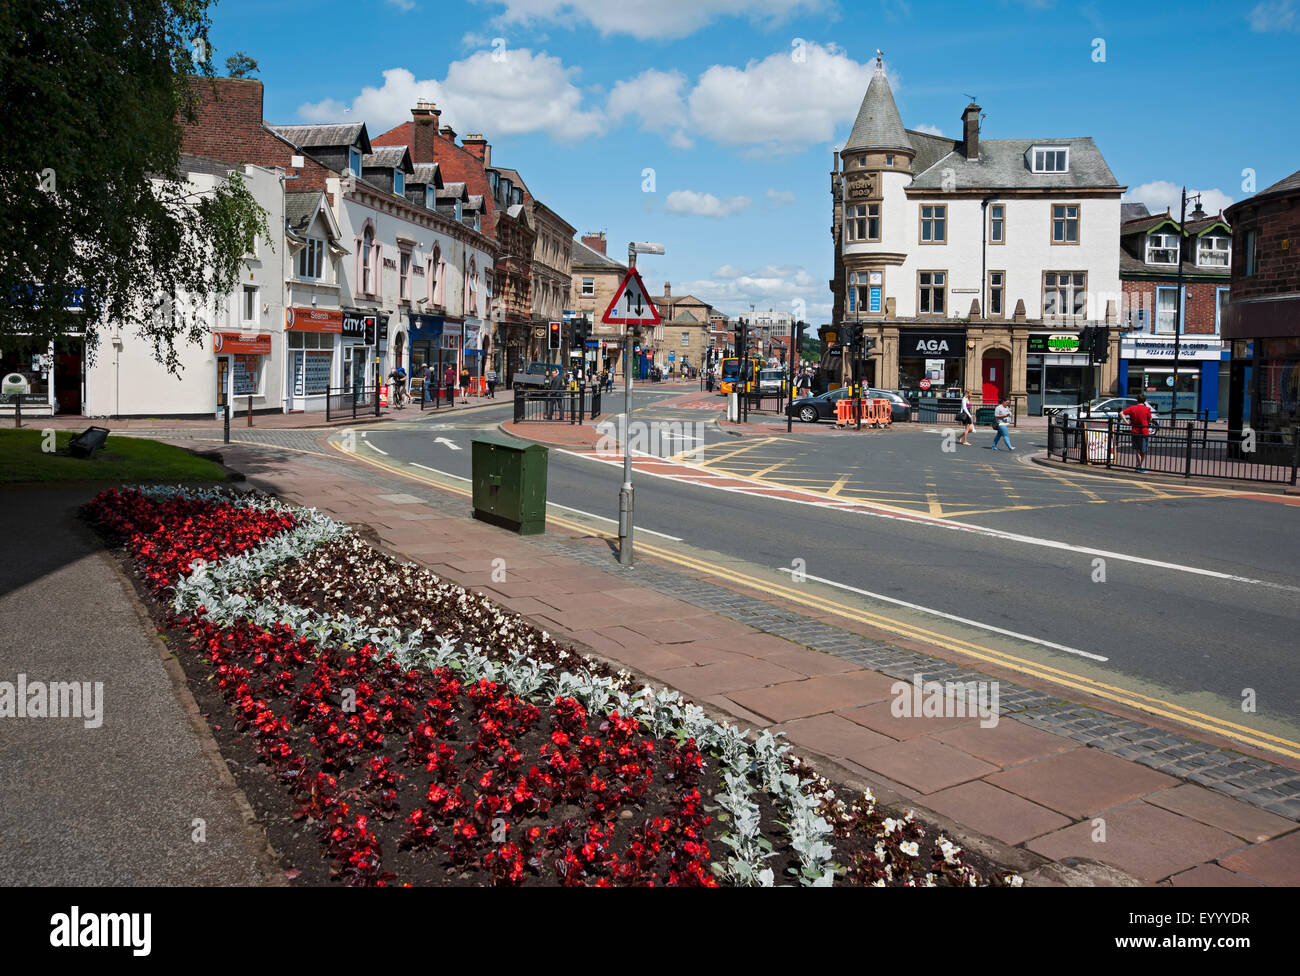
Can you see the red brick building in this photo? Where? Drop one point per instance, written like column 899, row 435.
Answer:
column 1152, row 248
column 1262, row 322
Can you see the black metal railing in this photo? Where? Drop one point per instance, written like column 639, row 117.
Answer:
column 351, row 402
column 1187, row 449
column 944, row 410
column 554, row 406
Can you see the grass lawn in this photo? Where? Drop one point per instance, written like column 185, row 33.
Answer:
column 120, row 459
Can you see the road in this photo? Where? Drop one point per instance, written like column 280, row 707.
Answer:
column 1190, row 597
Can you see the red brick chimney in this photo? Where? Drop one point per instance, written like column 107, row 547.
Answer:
column 448, row 133
column 668, row 290
column 478, row 147
column 424, row 130
column 970, row 123
column 595, row 241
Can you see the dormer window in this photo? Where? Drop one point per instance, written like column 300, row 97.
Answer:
column 1049, row 159
column 1162, row 249
column 354, row 161
column 1213, row 251
column 399, row 182
column 430, row 198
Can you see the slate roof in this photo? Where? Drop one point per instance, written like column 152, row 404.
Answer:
column 1144, row 225
column 326, row 134
column 474, row 202
column 1002, row 166
column 300, row 209
column 586, row 257
column 1291, row 182
column 930, row 148
column 878, row 125
column 1133, row 211
column 452, row 191
column 200, row 164
column 389, row 157
column 427, row 173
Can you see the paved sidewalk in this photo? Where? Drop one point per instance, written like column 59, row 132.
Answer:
column 117, row 803
column 1029, row 791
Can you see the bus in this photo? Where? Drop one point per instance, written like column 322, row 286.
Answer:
column 730, row 370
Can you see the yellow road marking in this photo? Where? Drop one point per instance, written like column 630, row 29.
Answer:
column 933, row 500
column 836, row 488
column 1068, row 679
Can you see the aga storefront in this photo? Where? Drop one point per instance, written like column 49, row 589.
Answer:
column 932, row 363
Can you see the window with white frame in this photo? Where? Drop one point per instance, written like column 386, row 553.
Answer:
column 1166, row 310
column 873, row 221
column 1050, row 159
column 997, row 284
column 472, row 301
column 1162, row 249
column 589, row 286
column 311, row 259
column 404, row 276
column 248, row 306
column 1213, row 251
column 686, row 338
column 933, row 289
column 368, row 271
column 934, row 217
column 997, row 223
column 1065, row 223
column 1065, row 293
column 430, row 198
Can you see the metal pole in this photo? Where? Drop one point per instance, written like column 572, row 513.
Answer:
column 625, row 510
column 225, row 408
column 250, row 406
column 1178, row 306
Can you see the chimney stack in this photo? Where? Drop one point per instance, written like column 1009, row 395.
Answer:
column 476, row 145
column 595, row 241
column 424, row 131
column 448, row 133
column 668, row 290
column 970, row 121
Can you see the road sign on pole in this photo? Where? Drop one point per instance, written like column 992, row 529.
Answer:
column 631, row 304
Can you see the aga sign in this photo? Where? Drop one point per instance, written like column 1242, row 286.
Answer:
column 932, row 345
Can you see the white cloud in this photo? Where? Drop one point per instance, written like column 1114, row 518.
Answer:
column 475, row 39
column 1159, row 194
column 779, row 103
column 728, row 271
column 654, row 96
column 522, row 92
column 680, row 140
column 665, row 19
column 1280, row 15
column 688, row 202
column 775, row 287
column 934, row 130
column 780, row 198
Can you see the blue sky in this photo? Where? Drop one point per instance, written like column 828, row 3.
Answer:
column 735, row 105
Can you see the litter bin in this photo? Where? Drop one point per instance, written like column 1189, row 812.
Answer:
column 509, row 483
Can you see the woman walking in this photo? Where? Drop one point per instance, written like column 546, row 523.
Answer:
column 1001, row 417
column 966, row 418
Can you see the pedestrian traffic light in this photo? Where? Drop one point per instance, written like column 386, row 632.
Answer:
column 849, row 335
column 553, row 341
column 1101, row 344
column 578, row 336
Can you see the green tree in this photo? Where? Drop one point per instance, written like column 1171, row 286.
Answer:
column 240, row 65
column 98, row 227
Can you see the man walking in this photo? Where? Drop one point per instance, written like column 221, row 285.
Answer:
column 492, row 384
column 1001, row 418
column 1139, row 417
column 554, row 395
column 449, row 381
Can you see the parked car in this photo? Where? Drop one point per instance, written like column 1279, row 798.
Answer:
column 1101, row 408
column 822, row 406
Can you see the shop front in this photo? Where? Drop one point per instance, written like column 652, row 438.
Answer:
column 1056, row 373
column 436, row 340
column 1147, row 366
column 931, row 363
column 242, row 362
column 357, row 349
column 54, row 373
column 312, row 345
column 473, row 336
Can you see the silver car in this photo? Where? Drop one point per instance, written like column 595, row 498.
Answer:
column 1101, row 408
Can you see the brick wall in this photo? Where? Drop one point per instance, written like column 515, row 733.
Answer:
column 1277, row 223
column 229, row 128
column 1198, row 309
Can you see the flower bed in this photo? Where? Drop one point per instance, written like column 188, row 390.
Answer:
column 404, row 730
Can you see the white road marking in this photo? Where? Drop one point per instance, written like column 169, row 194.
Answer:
column 452, row 444
column 373, row 448
column 448, row 474
column 693, row 475
column 603, row 518
column 948, row 616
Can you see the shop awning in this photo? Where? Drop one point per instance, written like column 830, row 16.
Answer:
column 242, row 342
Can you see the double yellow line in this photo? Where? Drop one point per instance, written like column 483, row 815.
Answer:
column 1066, row 679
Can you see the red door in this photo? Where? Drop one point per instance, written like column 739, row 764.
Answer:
column 995, row 379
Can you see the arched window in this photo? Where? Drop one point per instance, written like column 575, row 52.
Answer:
column 471, row 283
column 367, row 261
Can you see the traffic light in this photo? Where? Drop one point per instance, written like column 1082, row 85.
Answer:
column 553, row 340
column 578, row 335
column 1101, row 344
column 849, row 335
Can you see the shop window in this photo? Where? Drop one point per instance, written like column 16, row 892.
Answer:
column 933, row 291
column 246, row 374
column 1065, row 293
column 934, row 218
column 997, row 223
column 1065, row 223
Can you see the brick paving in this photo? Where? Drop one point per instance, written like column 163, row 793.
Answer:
column 1176, row 810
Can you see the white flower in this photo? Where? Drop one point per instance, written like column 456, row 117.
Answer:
column 910, row 848
column 891, row 825
column 1015, row 881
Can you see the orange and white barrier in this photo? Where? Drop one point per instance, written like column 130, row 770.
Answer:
column 875, row 412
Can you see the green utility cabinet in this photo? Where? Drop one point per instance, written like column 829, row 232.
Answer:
column 984, row 416
column 509, row 480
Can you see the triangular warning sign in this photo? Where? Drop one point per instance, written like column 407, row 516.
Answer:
column 631, row 304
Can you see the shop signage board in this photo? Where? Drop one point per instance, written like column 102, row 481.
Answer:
column 1061, row 343
column 947, row 344
column 257, row 343
column 299, row 319
column 1162, row 347
column 359, row 325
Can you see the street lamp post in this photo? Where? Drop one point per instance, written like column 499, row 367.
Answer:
column 625, row 493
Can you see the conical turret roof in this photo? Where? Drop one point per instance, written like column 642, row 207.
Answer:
column 878, row 125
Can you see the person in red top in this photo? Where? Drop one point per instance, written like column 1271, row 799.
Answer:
column 1139, row 416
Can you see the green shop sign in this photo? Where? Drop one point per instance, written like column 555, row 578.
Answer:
column 1057, row 342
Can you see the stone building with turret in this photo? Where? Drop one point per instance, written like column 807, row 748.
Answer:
column 971, row 262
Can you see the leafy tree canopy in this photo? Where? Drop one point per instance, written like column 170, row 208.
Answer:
column 240, row 65
column 98, row 227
